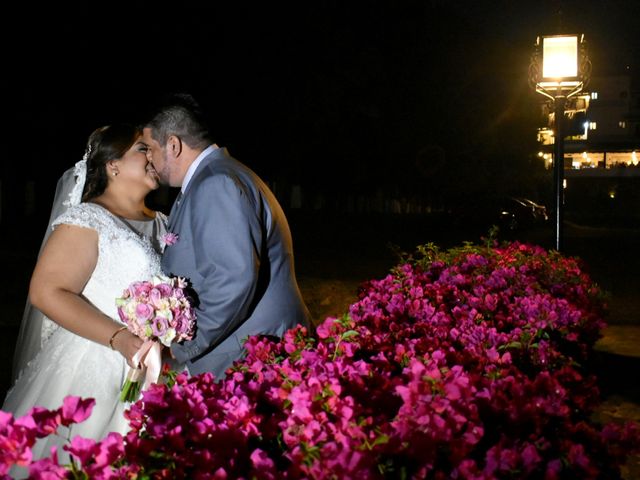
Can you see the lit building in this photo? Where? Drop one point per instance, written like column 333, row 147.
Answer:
column 602, row 127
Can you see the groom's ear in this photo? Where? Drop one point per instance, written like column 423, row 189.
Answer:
column 174, row 145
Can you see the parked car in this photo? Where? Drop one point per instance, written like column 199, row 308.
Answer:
column 523, row 212
column 539, row 212
column 509, row 213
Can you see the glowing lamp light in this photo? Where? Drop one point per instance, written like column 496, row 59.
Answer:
column 560, row 57
column 560, row 62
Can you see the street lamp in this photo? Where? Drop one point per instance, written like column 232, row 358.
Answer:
column 565, row 72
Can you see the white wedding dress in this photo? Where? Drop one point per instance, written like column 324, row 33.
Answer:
column 69, row 364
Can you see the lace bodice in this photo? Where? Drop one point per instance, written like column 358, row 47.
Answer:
column 69, row 364
column 124, row 256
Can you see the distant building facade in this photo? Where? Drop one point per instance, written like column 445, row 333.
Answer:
column 603, row 130
column 601, row 151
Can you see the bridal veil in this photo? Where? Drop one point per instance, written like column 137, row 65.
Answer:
column 35, row 327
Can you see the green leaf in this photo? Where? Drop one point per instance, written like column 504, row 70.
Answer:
column 349, row 334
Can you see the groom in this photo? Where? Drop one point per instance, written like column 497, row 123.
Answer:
column 234, row 242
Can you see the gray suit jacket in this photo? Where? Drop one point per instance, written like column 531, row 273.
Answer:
column 235, row 247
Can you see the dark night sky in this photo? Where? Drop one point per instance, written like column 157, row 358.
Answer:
column 320, row 90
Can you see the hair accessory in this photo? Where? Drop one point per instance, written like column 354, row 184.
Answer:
column 80, row 172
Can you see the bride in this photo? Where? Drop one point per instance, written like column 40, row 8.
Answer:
column 105, row 240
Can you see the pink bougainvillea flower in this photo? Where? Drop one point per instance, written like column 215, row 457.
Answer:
column 76, row 409
column 83, row 449
column 466, row 363
column 48, row 468
column 45, row 421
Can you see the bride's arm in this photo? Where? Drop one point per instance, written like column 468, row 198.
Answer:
column 61, row 273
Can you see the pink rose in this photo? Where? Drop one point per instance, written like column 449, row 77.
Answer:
column 165, row 289
column 139, row 288
column 144, row 312
column 155, row 297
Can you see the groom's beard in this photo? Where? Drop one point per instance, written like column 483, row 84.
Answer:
column 164, row 175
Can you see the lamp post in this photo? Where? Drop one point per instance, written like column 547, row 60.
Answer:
column 559, row 70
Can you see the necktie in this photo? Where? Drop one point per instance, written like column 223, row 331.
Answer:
column 174, row 207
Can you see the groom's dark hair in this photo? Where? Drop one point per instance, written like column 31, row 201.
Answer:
column 181, row 115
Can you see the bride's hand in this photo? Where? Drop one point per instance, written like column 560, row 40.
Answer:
column 167, row 354
column 128, row 345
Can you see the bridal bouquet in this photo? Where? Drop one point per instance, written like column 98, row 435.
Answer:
column 158, row 311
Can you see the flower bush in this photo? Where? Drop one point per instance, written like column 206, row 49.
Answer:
column 468, row 363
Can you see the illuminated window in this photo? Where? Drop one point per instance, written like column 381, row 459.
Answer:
column 592, row 125
column 594, row 95
column 622, row 124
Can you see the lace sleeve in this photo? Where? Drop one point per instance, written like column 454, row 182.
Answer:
column 85, row 215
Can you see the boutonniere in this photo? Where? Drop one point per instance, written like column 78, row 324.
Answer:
column 169, row 239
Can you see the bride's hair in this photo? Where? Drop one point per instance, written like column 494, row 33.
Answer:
column 104, row 145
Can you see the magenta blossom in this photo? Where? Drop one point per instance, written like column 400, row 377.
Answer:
column 469, row 363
